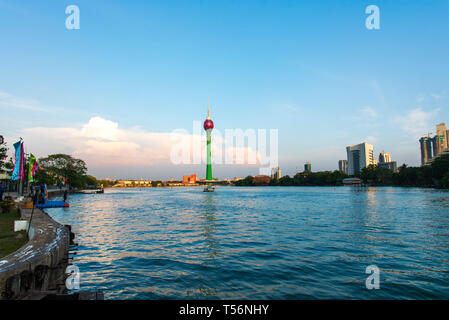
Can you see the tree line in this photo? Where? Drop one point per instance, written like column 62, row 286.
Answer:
column 435, row 175
column 324, row 178
column 74, row 170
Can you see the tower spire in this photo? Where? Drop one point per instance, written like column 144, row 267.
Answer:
column 208, row 109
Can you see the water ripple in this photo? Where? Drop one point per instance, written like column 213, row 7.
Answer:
column 261, row 243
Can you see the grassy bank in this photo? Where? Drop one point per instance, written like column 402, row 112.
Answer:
column 10, row 241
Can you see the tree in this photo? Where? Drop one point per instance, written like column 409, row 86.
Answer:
column 440, row 166
column 74, row 170
column 377, row 176
column 3, row 156
column 286, row 181
column 261, row 180
column 248, row 181
column 91, row 181
column 154, row 184
column 445, row 181
column 42, row 177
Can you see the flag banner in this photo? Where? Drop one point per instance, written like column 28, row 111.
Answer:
column 33, row 165
column 54, row 175
column 18, row 172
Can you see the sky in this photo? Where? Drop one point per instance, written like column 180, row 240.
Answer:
column 112, row 92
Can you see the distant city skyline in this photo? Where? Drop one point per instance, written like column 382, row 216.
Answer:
column 434, row 145
column 111, row 92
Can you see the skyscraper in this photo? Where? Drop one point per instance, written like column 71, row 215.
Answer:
column 426, row 149
column 308, row 167
column 440, row 141
column 384, row 157
column 276, row 173
column 447, row 138
column 359, row 156
column 209, row 126
column 343, row 166
column 442, row 132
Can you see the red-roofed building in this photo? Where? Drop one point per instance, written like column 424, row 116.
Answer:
column 189, row 179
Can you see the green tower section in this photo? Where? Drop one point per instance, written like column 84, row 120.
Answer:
column 209, row 126
column 209, row 157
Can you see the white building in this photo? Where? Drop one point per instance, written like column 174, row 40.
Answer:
column 360, row 156
column 343, row 166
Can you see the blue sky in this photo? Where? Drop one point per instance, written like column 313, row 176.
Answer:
column 308, row 68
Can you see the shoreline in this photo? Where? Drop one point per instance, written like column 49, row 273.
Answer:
column 38, row 267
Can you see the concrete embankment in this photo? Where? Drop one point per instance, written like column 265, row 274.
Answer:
column 38, row 268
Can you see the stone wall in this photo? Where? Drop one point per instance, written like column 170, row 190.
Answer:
column 39, row 266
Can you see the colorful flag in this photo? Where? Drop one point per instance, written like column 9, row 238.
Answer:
column 32, row 167
column 18, row 172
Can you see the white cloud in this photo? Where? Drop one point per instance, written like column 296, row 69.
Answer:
column 417, row 122
column 9, row 101
column 102, row 143
column 372, row 140
column 369, row 112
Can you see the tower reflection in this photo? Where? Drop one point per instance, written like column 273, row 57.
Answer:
column 208, row 216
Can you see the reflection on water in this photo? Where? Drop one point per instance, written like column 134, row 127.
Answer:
column 261, row 243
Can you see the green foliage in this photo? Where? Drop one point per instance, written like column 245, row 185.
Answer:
column 445, row 181
column 3, row 157
column 10, row 240
column 440, row 166
column 106, row 183
column 156, row 183
column 91, row 181
column 67, row 166
column 286, row 181
column 377, row 175
column 435, row 175
column 8, row 166
column 248, row 181
column 325, row 178
column 42, row 177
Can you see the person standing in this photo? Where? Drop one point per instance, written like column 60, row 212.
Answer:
column 1, row 192
column 65, row 195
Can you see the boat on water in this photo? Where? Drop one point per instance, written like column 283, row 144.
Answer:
column 52, row 204
column 209, row 189
column 92, row 191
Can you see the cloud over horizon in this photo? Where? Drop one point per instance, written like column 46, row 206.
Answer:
column 103, row 145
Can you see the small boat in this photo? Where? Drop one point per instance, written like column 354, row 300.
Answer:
column 52, row 204
column 209, row 189
column 88, row 191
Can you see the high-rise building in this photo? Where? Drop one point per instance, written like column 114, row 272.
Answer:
column 392, row 165
column 440, row 141
column 447, row 139
column 384, row 157
column 426, row 149
column 343, row 166
column 276, row 173
column 442, row 133
column 359, row 156
column 308, row 167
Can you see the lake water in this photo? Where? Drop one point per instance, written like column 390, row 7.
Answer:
column 261, row 243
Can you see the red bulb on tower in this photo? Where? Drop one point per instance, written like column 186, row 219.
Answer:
column 208, row 124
